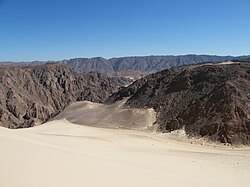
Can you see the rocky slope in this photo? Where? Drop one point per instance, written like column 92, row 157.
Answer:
column 33, row 94
column 210, row 101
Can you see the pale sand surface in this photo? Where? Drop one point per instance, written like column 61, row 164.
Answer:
column 226, row 63
column 109, row 116
column 217, row 64
column 62, row 154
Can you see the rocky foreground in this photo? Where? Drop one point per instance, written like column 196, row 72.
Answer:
column 34, row 94
column 211, row 101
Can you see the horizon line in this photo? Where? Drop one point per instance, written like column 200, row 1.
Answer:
column 128, row 56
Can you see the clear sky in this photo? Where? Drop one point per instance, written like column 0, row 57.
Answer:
column 63, row 29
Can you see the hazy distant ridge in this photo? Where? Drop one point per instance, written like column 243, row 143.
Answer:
column 141, row 64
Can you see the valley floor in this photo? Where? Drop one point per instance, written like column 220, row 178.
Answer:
column 63, row 154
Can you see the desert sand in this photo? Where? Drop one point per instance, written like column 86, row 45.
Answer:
column 109, row 116
column 60, row 153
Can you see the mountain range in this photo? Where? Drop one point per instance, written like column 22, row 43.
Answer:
column 205, row 99
column 148, row 64
column 140, row 64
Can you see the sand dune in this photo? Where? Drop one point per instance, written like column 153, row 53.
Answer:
column 63, row 154
column 109, row 116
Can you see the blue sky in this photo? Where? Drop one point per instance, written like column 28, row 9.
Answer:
column 60, row 29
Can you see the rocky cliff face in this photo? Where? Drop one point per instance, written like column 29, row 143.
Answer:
column 33, row 94
column 211, row 101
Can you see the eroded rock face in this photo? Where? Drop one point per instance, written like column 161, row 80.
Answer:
column 37, row 93
column 211, row 100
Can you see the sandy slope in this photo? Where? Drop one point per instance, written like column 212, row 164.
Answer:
column 63, row 154
column 108, row 116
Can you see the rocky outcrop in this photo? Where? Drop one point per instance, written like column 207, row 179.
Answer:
column 210, row 101
column 34, row 94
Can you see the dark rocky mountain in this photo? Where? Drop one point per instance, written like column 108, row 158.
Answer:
column 33, row 94
column 210, row 101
